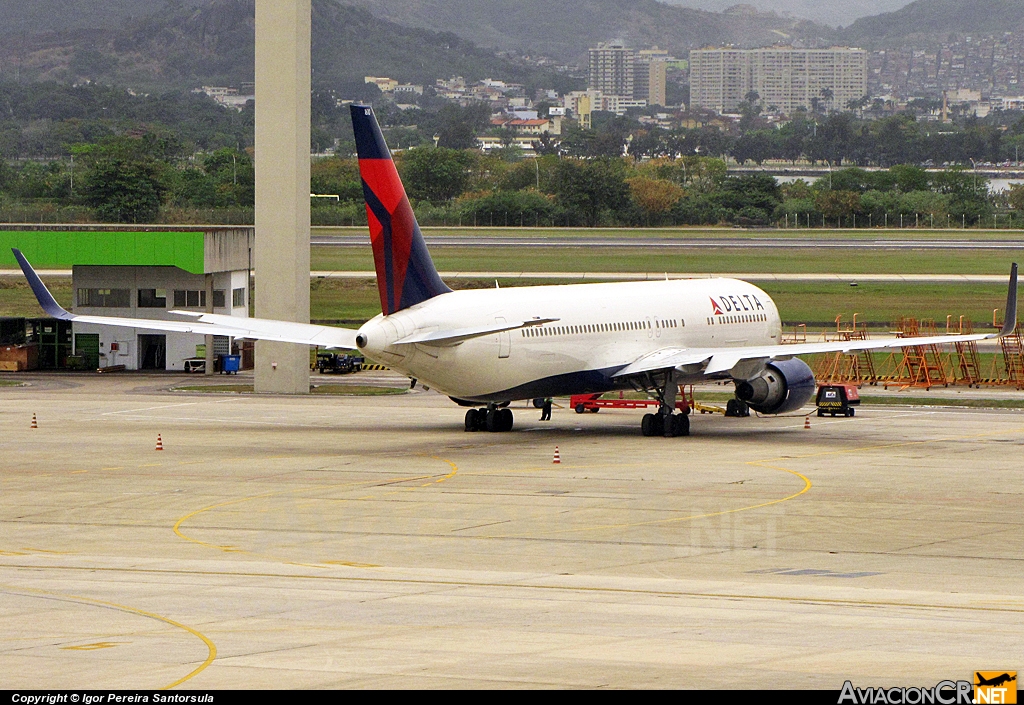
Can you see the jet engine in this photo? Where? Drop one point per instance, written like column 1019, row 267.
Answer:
column 785, row 385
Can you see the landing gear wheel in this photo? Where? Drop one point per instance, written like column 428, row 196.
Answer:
column 647, row 425
column 506, row 420
column 472, row 420
column 492, row 420
column 680, row 425
column 737, row 409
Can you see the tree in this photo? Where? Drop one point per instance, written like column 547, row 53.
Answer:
column 457, row 127
column 337, row 177
column 589, row 189
column 827, row 95
column 754, row 146
column 837, row 204
column 654, row 197
column 123, row 181
column 1016, row 197
column 435, row 175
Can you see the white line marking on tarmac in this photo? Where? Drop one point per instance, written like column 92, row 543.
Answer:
column 148, row 408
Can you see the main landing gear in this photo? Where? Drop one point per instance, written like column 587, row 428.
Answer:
column 664, row 423
column 490, row 419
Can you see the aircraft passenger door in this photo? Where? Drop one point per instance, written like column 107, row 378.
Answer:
column 504, row 340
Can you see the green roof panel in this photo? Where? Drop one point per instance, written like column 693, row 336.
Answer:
column 57, row 249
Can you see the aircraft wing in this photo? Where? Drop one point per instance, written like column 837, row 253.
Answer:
column 208, row 323
column 717, row 360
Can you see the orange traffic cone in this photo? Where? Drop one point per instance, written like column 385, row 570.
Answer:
column 557, row 459
column 35, row 424
column 807, row 422
column 159, row 442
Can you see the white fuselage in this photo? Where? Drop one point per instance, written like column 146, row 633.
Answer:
column 600, row 329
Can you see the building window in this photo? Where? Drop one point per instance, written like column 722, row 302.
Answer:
column 218, row 298
column 189, row 298
column 152, row 298
column 238, row 297
column 105, row 298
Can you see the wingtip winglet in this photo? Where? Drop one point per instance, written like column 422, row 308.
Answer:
column 43, row 294
column 1010, row 321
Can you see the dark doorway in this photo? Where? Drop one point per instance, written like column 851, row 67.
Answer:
column 152, row 352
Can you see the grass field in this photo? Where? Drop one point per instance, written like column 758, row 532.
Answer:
column 713, row 232
column 17, row 300
column 687, row 260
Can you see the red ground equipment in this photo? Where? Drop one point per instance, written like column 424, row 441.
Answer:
column 594, row 403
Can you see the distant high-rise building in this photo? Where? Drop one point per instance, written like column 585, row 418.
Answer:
column 612, row 69
column 650, row 72
column 626, row 77
column 784, row 77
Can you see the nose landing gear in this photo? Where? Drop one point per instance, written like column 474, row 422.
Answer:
column 490, row 419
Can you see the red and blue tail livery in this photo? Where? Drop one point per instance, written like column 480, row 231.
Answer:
column 405, row 273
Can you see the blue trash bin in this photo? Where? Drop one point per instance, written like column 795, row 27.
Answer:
column 230, row 364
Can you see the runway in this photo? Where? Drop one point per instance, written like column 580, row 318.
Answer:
column 368, row 542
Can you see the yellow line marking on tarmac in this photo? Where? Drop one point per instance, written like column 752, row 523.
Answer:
column 211, row 648
column 689, row 594
column 94, row 647
column 79, row 472
column 235, row 549
column 763, row 464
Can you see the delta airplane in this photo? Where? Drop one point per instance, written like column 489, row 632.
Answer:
column 486, row 348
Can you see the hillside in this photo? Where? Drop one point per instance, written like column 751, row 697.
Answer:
column 937, row 19
column 566, row 29
column 828, row 12
column 181, row 46
column 33, row 16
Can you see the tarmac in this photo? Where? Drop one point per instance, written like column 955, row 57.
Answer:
column 369, row 542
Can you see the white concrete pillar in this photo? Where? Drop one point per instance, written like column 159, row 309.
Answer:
column 281, row 253
column 209, row 338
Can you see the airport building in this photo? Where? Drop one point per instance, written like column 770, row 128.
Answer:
column 783, row 77
column 144, row 272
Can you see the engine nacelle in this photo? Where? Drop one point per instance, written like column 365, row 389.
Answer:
column 785, row 385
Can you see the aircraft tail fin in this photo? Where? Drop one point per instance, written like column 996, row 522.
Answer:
column 406, row 275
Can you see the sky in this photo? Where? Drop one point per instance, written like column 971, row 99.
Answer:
column 830, row 12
